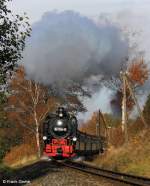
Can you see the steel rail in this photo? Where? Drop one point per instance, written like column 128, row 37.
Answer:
column 122, row 177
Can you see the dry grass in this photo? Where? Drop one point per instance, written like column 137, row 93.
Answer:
column 20, row 156
column 132, row 158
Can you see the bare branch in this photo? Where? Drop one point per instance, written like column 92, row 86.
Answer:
column 26, row 126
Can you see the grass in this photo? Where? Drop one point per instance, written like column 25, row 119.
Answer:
column 133, row 158
column 7, row 171
column 24, row 161
column 20, row 156
column 142, row 169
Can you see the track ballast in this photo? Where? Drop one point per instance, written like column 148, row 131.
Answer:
column 122, row 177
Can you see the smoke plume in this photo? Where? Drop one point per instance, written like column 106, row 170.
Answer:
column 67, row 45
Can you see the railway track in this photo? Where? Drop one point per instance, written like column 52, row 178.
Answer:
column 121, row 177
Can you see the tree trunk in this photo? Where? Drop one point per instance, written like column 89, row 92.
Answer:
column 38, row 142
column 37, row 135
column 124, row 109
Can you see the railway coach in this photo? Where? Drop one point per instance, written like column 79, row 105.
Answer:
column 63, row 140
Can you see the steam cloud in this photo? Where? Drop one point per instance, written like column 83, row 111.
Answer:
column 67, row 45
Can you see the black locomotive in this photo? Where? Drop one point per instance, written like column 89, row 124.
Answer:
column 62, row 138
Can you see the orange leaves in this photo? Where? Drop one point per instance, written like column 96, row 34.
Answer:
column 29, row 102
column 138, row 71
column 28, row 105
column 12, row 100
column 43, row 108
column 90, row 126
column 73, row 99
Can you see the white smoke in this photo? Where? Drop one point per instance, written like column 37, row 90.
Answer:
column 100, row 100
column 67, row 45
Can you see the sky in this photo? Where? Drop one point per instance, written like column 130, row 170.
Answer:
column 35, row 8
column 133, row 14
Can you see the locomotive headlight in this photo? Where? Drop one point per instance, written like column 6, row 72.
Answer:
column 74, row 139
column 44, row 137
column 60, row 114
column 59, row 122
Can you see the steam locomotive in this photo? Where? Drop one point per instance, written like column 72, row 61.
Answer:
column 62, row 139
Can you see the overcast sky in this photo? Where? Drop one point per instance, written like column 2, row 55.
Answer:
column 35, row 8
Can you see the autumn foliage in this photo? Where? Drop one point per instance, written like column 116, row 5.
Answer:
column 138, row 73
column 113, row 133
column 90, row 126
column 93, row 124
column 28, row 105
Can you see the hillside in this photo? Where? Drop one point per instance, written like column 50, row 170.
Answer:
column 133, row 158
